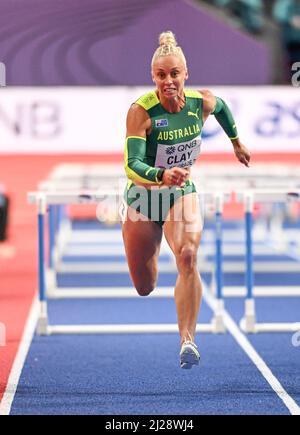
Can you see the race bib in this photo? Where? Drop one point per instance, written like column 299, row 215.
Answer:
column 181, row 154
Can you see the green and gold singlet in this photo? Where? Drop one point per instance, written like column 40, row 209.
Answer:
column 174, row 141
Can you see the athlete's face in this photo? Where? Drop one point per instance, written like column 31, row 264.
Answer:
column 169, row 74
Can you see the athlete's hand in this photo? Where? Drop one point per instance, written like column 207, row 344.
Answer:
column 175, row 177
column 241, row 152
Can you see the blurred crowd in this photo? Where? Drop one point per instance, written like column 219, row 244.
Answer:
column 252, row 15
column 287, row 14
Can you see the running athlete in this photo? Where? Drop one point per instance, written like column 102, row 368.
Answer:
column 163, row 142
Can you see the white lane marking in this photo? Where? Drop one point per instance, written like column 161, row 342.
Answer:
column 13, row 380
column 247, row 347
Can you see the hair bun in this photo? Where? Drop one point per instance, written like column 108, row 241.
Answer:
column 167, row 38
column 168, row 47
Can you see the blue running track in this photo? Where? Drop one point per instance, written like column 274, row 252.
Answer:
column 138, row 374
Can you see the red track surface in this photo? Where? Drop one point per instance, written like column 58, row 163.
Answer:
column 18, row 275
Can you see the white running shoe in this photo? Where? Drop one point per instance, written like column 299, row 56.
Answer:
column 189, row 355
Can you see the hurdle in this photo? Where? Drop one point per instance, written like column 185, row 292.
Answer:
column 45, row 199
column 249, row 322
column 79, row 177
column 69, row 177
column 72, row 177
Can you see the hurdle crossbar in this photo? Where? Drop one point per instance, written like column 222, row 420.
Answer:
column 216, row 325
column 248, row 323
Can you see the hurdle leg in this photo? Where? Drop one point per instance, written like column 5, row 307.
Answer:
column 218, row 324
column 50, row 272
column 63, row 229
column 248, row 322
column 42, row 323
column 276, row 228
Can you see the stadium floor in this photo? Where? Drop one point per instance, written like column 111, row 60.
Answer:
column 135, row 374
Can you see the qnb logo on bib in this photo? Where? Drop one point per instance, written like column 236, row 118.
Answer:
column 170, row 150
column 181, row 155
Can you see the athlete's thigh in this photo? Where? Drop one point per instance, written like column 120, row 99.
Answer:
column 184, row 223
column 142, row 239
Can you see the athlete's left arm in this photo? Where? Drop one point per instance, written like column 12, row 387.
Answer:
column 216, row 106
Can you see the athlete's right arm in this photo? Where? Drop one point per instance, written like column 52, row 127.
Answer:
column 137, row 124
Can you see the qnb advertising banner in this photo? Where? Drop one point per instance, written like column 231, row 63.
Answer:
column 92, row 120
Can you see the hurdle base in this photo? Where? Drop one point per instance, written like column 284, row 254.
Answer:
column 122, row 329
column 51, row 283
column 218, row 323
column 277, row 327
column 42, row 325
column 248, row 322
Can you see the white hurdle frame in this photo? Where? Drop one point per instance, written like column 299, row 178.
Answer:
column 44, row 199
column 249, row 323
column 78, row 177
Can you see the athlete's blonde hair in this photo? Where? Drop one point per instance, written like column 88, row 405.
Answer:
column 168, row 46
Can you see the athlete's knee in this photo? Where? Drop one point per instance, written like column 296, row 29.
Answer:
column 187, row 256
column 145, row 286
column 145, row 289
column 144, row 281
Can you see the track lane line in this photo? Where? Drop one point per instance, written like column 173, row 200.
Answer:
column 257, row 360
column 25, row 343
column 232, row 327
